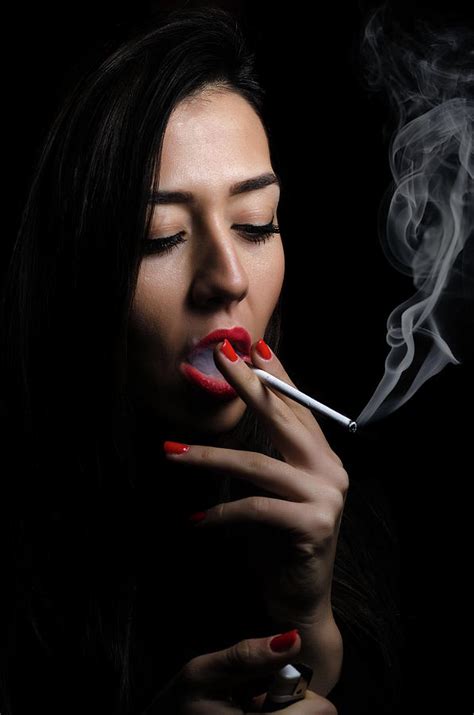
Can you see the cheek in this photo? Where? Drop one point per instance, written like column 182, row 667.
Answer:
column 269, row 281
column 153, row 304
column 142, row 308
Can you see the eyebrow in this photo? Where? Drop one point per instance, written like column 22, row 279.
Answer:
column 186, row 197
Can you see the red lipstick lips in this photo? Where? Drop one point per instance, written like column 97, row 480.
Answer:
column 196, row 367
column 238, row 336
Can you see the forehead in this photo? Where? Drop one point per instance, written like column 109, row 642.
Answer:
column 213, row 139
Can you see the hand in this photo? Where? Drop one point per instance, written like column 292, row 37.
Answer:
column 295, row 550
column 220, row 683
column 319, row 705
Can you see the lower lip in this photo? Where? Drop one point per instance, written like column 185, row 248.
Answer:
column 219, row 387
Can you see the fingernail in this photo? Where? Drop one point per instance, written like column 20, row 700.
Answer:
column 229, row 351
column 175, row 447
column 284, row 642
column 263, row 350
column 197, row 517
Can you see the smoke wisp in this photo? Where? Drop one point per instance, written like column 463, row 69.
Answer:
column 427, row 216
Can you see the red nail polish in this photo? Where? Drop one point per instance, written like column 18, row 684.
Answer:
column 229, row 351
column 197, row 517
column 175, row 447
column 284, row 642
column 263, row 349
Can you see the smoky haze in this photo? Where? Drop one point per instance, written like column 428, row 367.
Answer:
column 427, row 215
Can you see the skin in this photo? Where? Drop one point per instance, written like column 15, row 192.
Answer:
column 218, row 278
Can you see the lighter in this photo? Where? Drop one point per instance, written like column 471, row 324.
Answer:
column 288, row 686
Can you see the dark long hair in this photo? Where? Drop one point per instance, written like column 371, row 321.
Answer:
column 68, row 421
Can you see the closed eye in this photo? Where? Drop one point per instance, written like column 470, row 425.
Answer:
column 254, row 233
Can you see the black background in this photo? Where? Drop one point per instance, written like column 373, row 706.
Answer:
column 339, row 287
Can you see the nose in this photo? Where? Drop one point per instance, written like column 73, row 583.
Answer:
column 219, row 275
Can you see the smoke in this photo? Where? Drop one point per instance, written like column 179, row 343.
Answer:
column 427, row 216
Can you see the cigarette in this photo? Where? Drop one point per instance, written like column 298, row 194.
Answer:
column 304, row 399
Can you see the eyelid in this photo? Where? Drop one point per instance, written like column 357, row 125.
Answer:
column 260, row 234
column 269, row 225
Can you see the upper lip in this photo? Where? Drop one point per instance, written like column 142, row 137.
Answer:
column 238, row 336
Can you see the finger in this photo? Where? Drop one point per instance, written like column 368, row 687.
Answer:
column 266, row 472
column 298, row 446
column 274, row 366
column 312, row 704
column 302, row 522
column 253, row 657
column 212, row 707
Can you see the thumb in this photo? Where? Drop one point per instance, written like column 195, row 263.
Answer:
column 246, row 659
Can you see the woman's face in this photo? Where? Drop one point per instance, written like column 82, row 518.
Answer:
column 217, row 277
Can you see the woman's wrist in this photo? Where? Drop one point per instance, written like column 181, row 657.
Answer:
column 322, row 649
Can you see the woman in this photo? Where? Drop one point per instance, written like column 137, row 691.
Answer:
column 151, row 223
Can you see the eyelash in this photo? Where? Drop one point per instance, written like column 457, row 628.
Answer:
column 166, row 244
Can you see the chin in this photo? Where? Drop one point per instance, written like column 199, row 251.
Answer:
column 210, row 423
